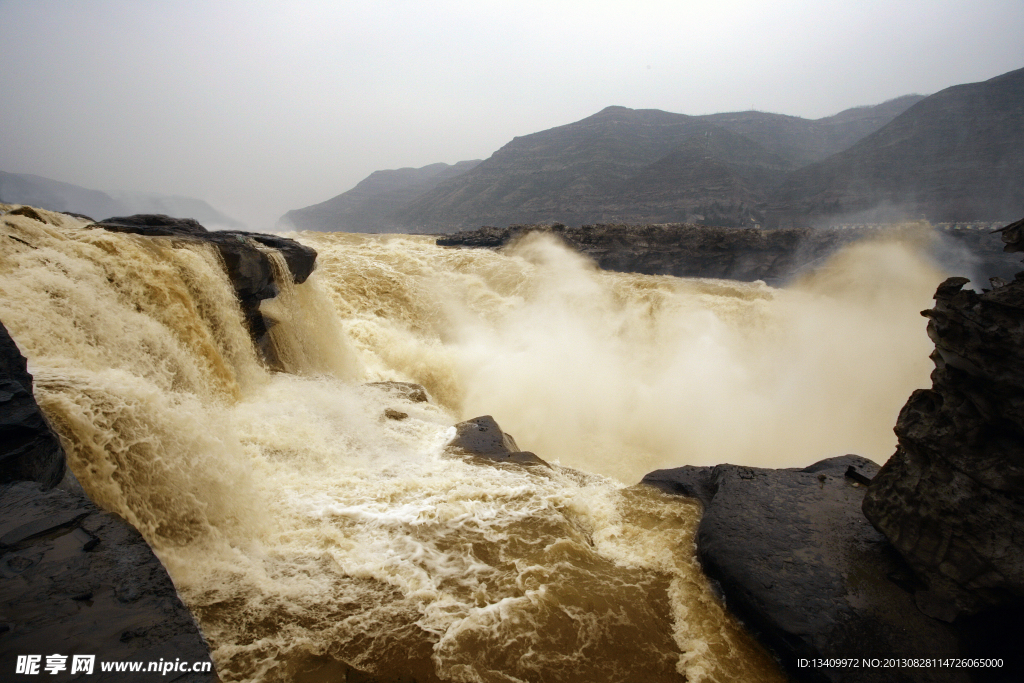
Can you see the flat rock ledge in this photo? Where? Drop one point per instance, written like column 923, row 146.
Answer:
column 78, row 581
column 682, row 250
column 745, row 254
column 795, row 559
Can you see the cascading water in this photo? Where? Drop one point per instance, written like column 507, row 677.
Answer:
column 310, row 533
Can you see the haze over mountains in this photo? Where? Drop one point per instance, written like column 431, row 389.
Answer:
column 23, row 188
column 955, row 155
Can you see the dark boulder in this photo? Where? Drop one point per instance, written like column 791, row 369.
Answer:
column 29, row 448
column 80, row 581
column 482, row 438
column 797, row 561
column 951, row 499
column 248, row 267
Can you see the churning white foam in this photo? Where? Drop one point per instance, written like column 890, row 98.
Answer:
column 310, row 532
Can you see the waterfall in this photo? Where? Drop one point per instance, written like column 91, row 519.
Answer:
column 310, row 533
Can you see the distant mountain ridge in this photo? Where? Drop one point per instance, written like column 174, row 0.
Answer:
column 618, row 165
column 33, row 190
column 957, row 155
column 591, row 171
column 368, row 206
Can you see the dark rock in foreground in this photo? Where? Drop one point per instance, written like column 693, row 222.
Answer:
column 29, row 448
column 75, row 580
column 798, row 562
column 81, row 581
column 482, row 437
column 951, row 499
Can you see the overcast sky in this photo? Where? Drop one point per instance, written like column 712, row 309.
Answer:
column 260, row 107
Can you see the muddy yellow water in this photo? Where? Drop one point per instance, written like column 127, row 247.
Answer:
column 311, row 535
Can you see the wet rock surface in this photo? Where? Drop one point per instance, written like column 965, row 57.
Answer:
column 79, row 581
column 250, row 269
column 796, row 560
column 951, row 499
column 481, row 437
column 29, row 448
column 73, row 578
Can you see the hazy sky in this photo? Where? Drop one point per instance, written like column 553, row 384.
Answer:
column 260, row 107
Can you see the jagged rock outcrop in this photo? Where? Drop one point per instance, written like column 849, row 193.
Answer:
column 798, row 562
column 75, row 580
column 951, row 499
column 250, row 269
column 482, row 438
column 29, row 448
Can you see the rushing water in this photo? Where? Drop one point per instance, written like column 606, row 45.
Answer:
column 309, row 533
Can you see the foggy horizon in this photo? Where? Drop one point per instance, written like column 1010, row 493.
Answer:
column 260, row 110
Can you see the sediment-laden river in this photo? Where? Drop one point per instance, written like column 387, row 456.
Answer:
column 310, row 533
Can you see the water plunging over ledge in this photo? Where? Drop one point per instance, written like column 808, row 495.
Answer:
column 308, row 532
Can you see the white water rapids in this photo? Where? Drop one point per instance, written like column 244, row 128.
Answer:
column 309, row 533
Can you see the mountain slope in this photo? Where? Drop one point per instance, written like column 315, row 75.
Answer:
column 573, row 173
column 33, row 190
column 957, row 155
column 23, row 188
column 367, row 206
column 715, row 176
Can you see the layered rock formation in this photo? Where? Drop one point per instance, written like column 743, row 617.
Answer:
column 951, row 499
column 746, row 254
column 934, row 567
column 29, row 448
column 81, row 581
